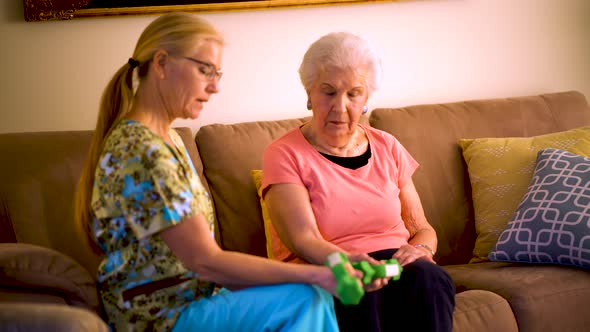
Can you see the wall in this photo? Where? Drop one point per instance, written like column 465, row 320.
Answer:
column 433, row 50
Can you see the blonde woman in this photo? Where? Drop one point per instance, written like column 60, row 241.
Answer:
column 142, row 205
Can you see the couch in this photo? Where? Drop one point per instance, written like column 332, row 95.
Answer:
column 47, row 274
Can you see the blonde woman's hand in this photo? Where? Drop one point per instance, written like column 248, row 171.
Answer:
column 326, row 279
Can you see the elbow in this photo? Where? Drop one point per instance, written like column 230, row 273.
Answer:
column 301, row 245
column 207, row 265
column 288, row 238
column 207, row 275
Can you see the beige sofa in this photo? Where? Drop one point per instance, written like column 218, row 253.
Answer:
column 47, row 275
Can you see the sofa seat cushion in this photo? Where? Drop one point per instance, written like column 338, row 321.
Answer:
column 542, row 297
column 480, row 310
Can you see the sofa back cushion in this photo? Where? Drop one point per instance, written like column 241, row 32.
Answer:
column 38, row 180
column 431, row 134
column 229, row 152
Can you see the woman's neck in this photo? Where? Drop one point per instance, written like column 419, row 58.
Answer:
column 150, row 109
column 155, row 120
column 351, row 145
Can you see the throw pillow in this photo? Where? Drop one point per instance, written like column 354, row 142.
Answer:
column 500, row 170
column 552, row 223
column 275, row 248
column 257, row 178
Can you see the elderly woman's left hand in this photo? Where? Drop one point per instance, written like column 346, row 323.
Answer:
column 407, row 254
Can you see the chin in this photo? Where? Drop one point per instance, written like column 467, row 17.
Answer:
column 194, row 112
column 341, row 128
column 194, row 115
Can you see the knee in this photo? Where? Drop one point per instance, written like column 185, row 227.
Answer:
column 309, row 294
column 309, row 291
column 430, row 275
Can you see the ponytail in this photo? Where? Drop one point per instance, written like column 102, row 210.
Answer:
column 115, row 102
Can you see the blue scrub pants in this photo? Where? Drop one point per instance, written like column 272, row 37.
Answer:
column 285, row 307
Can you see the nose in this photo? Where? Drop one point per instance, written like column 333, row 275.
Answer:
column 340, row 102
column 213, row 86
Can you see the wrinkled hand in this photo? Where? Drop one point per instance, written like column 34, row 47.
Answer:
column 376, row 284
column 407, row 254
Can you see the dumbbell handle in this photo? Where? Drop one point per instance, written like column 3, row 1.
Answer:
column 390, row 269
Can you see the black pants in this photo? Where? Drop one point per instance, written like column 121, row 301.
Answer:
column 423, row 299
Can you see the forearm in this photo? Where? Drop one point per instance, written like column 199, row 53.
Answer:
column 238, row 269
column 421, row 232
column 192, row 243
column 313, row 249
column 425, row 236
column 296, row 225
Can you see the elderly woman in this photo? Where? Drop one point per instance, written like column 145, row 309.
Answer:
column 349, row 189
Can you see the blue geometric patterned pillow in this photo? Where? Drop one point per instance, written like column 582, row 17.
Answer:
column 552, row 223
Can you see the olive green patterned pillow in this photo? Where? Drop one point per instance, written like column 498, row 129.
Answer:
column 500, row 170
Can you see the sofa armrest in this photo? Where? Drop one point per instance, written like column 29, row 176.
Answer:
column 33, row 268
column 16, row 317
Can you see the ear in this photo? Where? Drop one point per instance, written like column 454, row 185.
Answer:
column 159, row 63
column 309, row 106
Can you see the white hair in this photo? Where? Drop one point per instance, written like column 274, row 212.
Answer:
column 341, row 50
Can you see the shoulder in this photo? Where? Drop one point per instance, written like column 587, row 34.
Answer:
column 379, row 136
column 292, row 139
column 176, row 138
column 293, row 135
column 131, row 147
column 131, row 138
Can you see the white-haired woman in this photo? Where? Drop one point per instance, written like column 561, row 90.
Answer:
column 141, row 204
column 349, row 189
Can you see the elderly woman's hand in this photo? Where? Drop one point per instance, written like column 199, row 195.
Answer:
column 376, row 283
column 408, row 253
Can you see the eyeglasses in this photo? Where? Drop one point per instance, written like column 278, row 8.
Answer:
column 207, row 69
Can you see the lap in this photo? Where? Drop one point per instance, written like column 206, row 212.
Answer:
column 250, row 309
column 423, row 287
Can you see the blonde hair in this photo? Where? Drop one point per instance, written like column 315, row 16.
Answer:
column 341, row 50
column 175, row 33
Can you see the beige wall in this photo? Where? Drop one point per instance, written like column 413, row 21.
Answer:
column 434, row 51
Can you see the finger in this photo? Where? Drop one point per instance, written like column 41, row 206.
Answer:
column 377, row 284
column 352, row 271
column 373, row 287
column 356, row 257
column 401, row 252
column 406, row 259
column 373, row 261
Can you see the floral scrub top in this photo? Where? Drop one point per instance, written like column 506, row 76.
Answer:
column 143, row 186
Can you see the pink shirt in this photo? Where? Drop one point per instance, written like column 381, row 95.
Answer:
column 357, row 210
